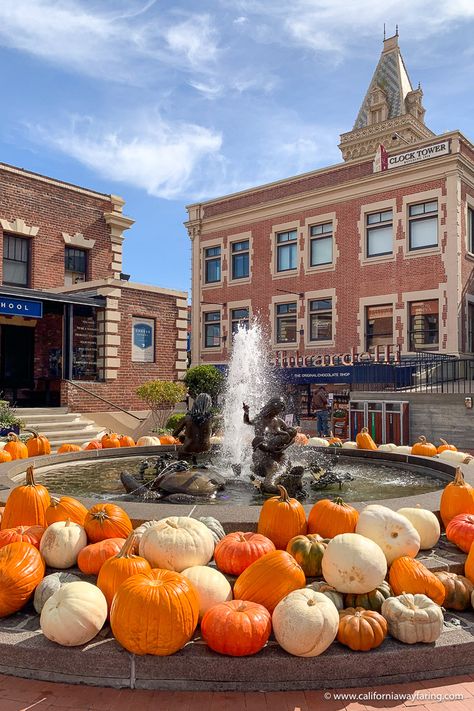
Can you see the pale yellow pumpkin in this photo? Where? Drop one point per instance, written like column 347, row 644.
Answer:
column 425, row 523
column 212, row 587
column 176, row 543
column 61, row 543
column 148, row 441
column 394, row 533
column 413, row 618
column 305, row 623
column 74, row 614
column 353, row 564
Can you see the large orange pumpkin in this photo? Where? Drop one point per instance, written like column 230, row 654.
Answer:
column 154, row 613
column 5, row 456
column 25, row 534
column 469, row 565
column 282, row 518
column 21, row 570
column 423, row 448
column 107, row 521
column 364, row 440
column 37, row 445
column 68, row 447
column 360, row 629
column 237, row 627
column 91, row 558
column 126, row 441
column 408, row 575
column 15, row 447
column 457, row 498
column 236, row 551
column 65, row 508
column 460, row 531
column 445, row 446
column 269, row 579
column 110, row 441
column 120, row 567
column 26, row 505
column 330, row 518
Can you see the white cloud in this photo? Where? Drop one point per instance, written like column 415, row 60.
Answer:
column 195, row 39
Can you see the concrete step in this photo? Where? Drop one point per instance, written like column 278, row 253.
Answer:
column 65, row 417
column 45, row 427
column 64, row 434
column 25, row 411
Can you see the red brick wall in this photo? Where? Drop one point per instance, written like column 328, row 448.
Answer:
column 467, row 260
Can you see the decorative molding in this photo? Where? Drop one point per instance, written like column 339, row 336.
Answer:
column 19, row 227
column 78, row 240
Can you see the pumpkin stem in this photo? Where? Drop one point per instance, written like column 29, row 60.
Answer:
column 54, row 501
column 34, row 434
column 30, row 479
column 126, row 550
column 283, row 494
column 242, row 607
column 241, row 538
column 443, row 441
column 459, row 478
column 100, row 515
column 67, row 522
column 364, row 430
column 422, row 439
column 339, row 501
column 172, row 524
column 12, row 437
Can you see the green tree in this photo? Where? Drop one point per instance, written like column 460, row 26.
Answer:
column 204, row 379
column 161, row 396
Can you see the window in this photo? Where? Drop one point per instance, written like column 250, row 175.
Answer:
column 75, row 265
column 212, row 329
column 287, row 251
column 424, row 325
column 16, row 258
column 239, row 317
column 470, row 327
column 423, row 225
column 240, row 259
column 320, row 320
column 286, row 323
column 212, row 265
column 470, row 229
column 379, row 230
column 320, row 244
column 379, row 325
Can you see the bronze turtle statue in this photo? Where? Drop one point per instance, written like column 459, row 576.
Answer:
column 177, row 482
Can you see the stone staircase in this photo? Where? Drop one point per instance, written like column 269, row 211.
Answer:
column 59, row 425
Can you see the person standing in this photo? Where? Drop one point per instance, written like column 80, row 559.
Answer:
column 321, row 409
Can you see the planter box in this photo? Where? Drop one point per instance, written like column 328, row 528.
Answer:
column 4, row 431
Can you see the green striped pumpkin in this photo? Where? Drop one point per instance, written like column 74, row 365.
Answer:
column 308, row 551
column 372, row 600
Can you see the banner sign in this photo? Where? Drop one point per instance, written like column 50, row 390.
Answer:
column 21, row 307
column 383, row 161
column 143, row 340
column 305, row 376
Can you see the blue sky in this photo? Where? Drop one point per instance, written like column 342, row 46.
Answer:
column 166, row 103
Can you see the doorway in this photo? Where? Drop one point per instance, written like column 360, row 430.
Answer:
column 17, row 347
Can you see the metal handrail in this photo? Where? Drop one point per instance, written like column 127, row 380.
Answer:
column 108, row 402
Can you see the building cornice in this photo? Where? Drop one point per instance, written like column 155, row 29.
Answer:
column 52, row 181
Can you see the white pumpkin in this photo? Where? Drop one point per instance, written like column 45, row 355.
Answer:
column 305, row 623
column 353, row 564
column 448, row 455
column 318, row 442
column 74, row 614
column 425, row 523
column 349, row 445
column 212, row 587
column 49, row 585
column 389, row 447
column 214, row 526
column 61, row 543
column 394, row 533
column 176, row 543
column 413, row 618
column 402, row 449
column 148, row 441
column 140, row 530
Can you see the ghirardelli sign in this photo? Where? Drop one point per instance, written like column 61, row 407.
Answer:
column 377, row 354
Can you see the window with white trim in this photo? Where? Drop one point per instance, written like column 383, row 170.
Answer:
column 286, row 322
column 287, row 250
column 320, row 245
column 75, row 265
column 239, row 318
column 423, row 225
column 379, row 233
column 16, row 260
column 240, row 259
column 212, row 265
column 424, row 325
column 212, row 329
column 320, row 320
column 470, row 229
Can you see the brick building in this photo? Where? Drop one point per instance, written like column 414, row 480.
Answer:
column 69, row 317
column 371, row 257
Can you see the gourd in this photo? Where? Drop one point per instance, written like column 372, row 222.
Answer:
column 93, row 444
column 91, row 558
column 394, row 533
column 411, row 576
column 21, row 570
column 455, row 458
column 74, row 614
column 353, row 564
column 364, row 440
column 110, row 441
column 389, row 447
column 269, row 579
column 26, row 504
column 5, row 457
column 318, row 442
column 106, row 521
column 118, row 568
column 15, row 447
column 423, row 448
column 162, row 601
column 236, row 551
column 469, row 565
column 334, row 441
column 457, row 498
column 308, row 552
column 64, row 508
column 426, row 523
column 25, row 534
column 68, row 447
column 322, row 587
column 61, row 544
column 360, row 629
column 329, row 518
column 413, row 618
column 49, row 585
column 126, row 441
column 305, row 623
column 237, row 628
column 148, row 441
column 38, row 445
column 349, row 445
column 458, row 590
column 176, row 543
column 372, row 600
column 212, row 587
column 460, row 531
column 214, row 526
column 402, row 449
column 281, row 518
column 445, row 447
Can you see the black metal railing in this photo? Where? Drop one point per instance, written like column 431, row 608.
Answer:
column 103, row 399
column 423, row 375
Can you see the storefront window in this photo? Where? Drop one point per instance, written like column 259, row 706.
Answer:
column 16, row 257
column 320, row 320
column 212, row 265
column 239, row 317
column 240, row 260
column 424, row 325
column 379, row 325
column 84, row 354
column 321, row 244
column 75, row 265
column 286, row 323
column 287, row 251
column 212, row 329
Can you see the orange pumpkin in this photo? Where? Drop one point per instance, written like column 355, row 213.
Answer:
column 65, row 508
column 460, row 531
column 67, row 447
column 335, row 441
column 423, row 448
column 37, row 445
column 168, row 439
column 25, row 534
column 21, row 570
column 445, row 446
column 364, row 440
column 457, row 498
column 469, row 565
column 458, row 589
column 107, row 521
column 126, row 441
column 93, row 444
column 120, row 567
column 26, row 505
column 408, row 575
column 301, row 439
column 5, row 456
column 15, row 447
column 237, row 628
column 361, row 630
column 269, row 579
column 154, row 613
column 91, row 558
column 236, row 551
column 330, row 518
column 110, row 440
column 282, row 518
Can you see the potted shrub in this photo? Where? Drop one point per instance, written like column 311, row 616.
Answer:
column 9, row 422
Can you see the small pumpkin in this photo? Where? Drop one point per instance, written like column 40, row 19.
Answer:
column 334, row 441
column 353, row 563
column 176, row 543
column 444, row 446
column 413, row 618
column 388, row 447
column 212, row 587
column 455, row 458
column 361, row 629
column 67, row 448
column 21, row 570
column 318, row 442
column 61, row 544
column 426, row 523
column 126, row 441
column 110, row 441
column 92, row 557
column 66, row 507
column 457, row 498
column 106, row 521
column 15, row 447
column 301, row 439
column 237, row 628
column 117, row 569
column 329, row 518
column 423, row 448
column 322, row 587
column 49, row 585
column 305, row 623
column 281, row 518
column 269, row 579
column 348, row 444
column 308, row 551
column 364, row 440
column 372, row 600
column 5, row 457
column 460, row 531
column 148, row 441
column 26, row 504
column 93, row 444
column 394, row 533
column 408, row 575
column 458, row 590
column 37, row 445
column 27, row 534
column 236, row 551
column 402, row 449
column 214, row 526
column 74, row 614
column 168, row 439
